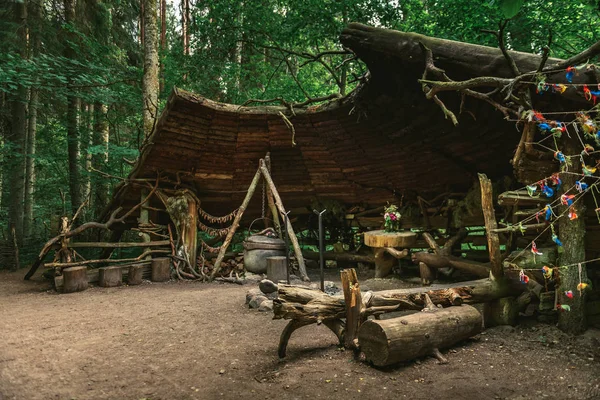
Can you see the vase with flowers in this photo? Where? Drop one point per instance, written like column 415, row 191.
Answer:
column 391, row 218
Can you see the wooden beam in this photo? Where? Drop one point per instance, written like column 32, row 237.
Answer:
column 235, row 224
column 489, row 215
column 119, row 245
column 292, row 235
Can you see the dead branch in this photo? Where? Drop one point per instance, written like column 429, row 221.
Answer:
column 290, row 126
column 580, row 58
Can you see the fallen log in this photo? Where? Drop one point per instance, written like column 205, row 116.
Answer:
column 447, row 261
column 390, row 341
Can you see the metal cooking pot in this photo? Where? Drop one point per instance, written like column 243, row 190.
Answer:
column 258, row 247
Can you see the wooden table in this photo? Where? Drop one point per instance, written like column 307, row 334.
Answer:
column 383, row 244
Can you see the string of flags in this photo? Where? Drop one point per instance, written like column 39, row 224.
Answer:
column 549, row 187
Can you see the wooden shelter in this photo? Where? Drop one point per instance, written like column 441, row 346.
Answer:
column 384, row 142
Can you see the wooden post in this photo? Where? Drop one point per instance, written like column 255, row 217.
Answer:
column 75, row 279
column 354, row 307
column 489, row 215
column 135, row 275
column 427, row 274
column 144, row 216
column 190, row 234
column 235, row 224
column 271, row 202
column 290, row 230
column 110, row 276
column 161, row 269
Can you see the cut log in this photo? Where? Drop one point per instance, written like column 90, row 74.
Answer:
column 75, row 279
column 439, row 261
column 161, row 269
column 387, row 342
column 277, row 268
column 389, row 239
column 135, row 274
column 110, row 276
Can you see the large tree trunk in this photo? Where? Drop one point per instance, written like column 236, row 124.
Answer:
column 100, row 160
column 185, row 25
column 30, row 162
column 163, row 40
column 572, row 235
column 88, row 141
column 150, row 85
column 36, row 17
column 18, row 134
column 72, row 120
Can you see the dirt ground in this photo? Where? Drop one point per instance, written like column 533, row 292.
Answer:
column 189, row 340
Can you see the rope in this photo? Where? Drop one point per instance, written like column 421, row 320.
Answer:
column 217, row 220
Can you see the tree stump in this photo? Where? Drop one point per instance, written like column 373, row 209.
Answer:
column 110, row 276
column 276, row 269
column 161, row 269
column 390, row 341
column 75, row 279
column 134, row 277
column 383, row 244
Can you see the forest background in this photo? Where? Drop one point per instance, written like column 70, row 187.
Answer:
column 73, row 100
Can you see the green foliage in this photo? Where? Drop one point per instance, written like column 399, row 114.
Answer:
column 239, row 50
column 510, row 8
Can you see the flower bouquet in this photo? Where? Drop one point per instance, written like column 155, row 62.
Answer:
column 392, row 219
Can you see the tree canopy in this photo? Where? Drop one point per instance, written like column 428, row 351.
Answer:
column 82, row 60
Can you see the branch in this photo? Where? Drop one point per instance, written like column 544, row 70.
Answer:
column 500, row 36
column 582, row 57
column 437, row 86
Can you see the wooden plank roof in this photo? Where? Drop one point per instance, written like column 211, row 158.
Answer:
column 383, row 141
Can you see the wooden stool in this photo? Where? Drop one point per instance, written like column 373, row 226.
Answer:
column 75, row 279
column 161, row 269
column 276, row 269
column 110, row 276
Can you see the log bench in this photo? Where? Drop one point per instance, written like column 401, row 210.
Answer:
column 344, row 315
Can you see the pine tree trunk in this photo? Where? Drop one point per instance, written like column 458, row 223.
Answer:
column 87, row 140
column 100, row 161
column 185, row 25
column 4, row 132
column 73, row 151
column 572, row 235
column 163, row 40
column 18, row 135
column 150, row 84
column 35, row 8
column 72, row 122
column 30, row 162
